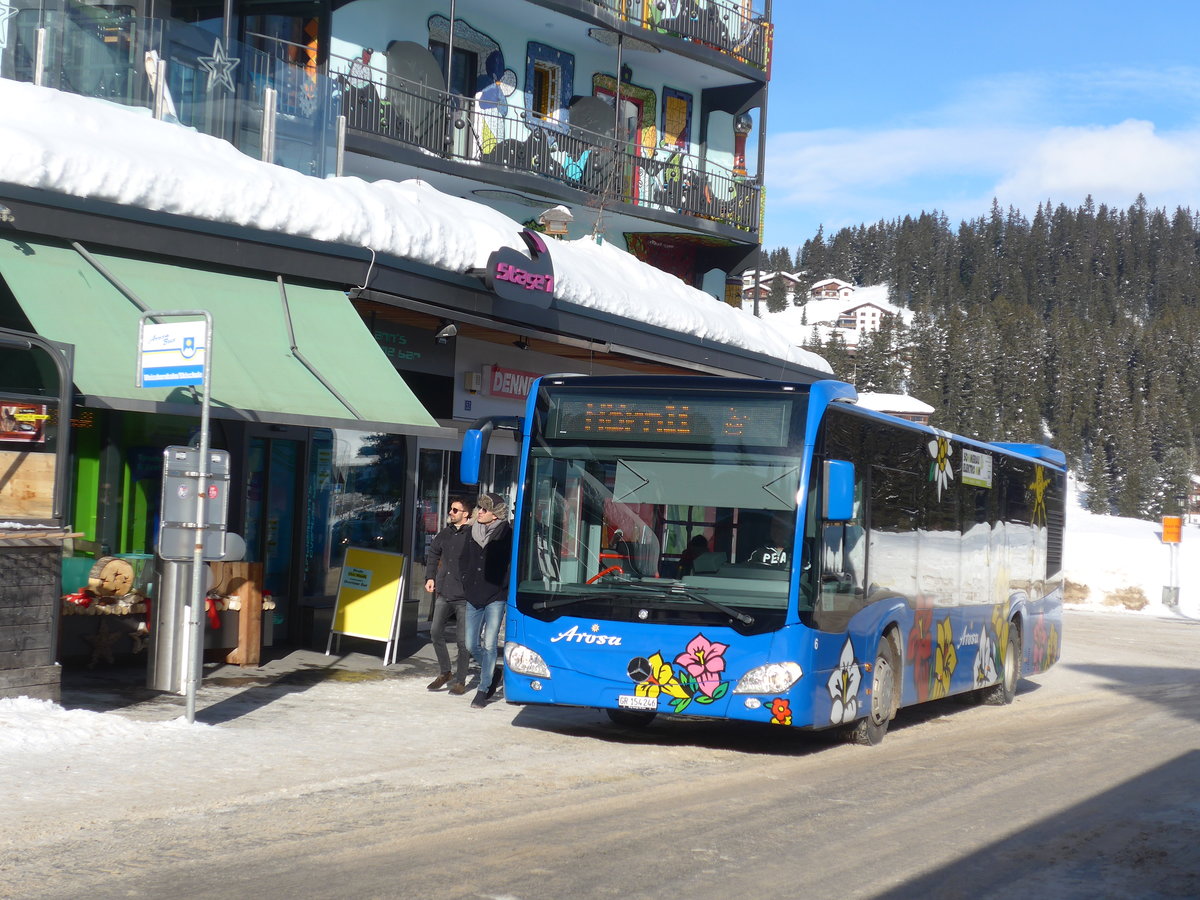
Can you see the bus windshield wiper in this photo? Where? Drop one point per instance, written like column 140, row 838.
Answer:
column 658, row 593
column 744, row 618
column 622, row 594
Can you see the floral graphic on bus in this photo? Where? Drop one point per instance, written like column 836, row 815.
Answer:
column 920, row 651
column 781, row 712
column 1039, row 485
column 704, row 661
column 945, row 660
column 694, row 677
column 843, row 687
column 986, row 661
column 940, row 471
column 1045, row 645
column 1000, row 630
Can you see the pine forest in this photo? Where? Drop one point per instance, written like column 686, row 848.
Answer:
column 1079, row 328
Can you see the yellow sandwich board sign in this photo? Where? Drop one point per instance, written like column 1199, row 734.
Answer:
column 368, row 598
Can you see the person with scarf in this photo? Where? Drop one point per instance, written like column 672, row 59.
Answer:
column 484, row 567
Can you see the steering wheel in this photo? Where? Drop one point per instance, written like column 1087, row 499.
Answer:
column 604, row 572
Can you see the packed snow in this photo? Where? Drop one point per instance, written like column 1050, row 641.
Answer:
column 50, row 140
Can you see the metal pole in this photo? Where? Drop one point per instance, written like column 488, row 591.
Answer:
column 196, row 608
column 267, row 150
column 450, row 46
column 39, row 57
column 617, row 94
column 340, row 164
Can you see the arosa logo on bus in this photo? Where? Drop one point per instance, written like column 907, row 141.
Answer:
column 521, row 280
column 582, row 637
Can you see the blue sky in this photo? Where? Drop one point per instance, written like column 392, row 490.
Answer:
column 881, row 109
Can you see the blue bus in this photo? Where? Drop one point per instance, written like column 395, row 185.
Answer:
column 770, row 552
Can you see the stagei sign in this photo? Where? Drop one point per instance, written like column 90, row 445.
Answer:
column 522, row 280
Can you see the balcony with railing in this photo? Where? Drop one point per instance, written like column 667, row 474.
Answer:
column 268, row 106
column 492, row 133
column 276, row 105
column 732, row 27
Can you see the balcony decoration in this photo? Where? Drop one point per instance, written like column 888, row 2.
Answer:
column 219, row 66
column 555, row 221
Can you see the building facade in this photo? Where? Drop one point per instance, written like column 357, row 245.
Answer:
column 343, row 374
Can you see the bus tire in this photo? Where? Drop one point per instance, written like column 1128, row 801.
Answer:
column 631, row 718
column 870, row 729
column 1002, row 694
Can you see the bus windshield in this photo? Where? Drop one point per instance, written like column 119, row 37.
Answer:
column 659, row 534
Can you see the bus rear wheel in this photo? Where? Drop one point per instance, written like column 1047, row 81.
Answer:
column 884, row 697
column 631, row 718
column 1003, row 693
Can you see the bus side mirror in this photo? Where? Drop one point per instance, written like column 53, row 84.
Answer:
column 472, row 454
column 838, row 490
column 475, row 444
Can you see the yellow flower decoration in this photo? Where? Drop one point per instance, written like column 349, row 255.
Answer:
column 1000, row 627
column 1040, row 483
column 663, row 681
column 940, row 471
column 945, row 660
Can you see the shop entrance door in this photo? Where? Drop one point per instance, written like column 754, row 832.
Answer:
column 437, row 481
column 274, row 499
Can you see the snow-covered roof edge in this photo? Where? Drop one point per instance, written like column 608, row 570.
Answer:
column 52, row 141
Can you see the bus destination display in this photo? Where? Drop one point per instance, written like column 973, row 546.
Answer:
column 689, row 420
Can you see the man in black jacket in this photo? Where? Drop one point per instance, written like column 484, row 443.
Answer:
column 485, row 562
column 444, row 581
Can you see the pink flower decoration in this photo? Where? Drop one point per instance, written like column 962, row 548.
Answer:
column 704, row 660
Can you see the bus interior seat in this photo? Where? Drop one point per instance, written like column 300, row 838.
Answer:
column 709, row 563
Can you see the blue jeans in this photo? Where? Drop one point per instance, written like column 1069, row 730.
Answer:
column 484, row 623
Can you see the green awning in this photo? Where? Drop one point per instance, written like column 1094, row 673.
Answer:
column 254, row 373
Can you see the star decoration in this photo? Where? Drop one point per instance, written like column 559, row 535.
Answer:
column 6, row 13
column 220, row 67
column 102, row 644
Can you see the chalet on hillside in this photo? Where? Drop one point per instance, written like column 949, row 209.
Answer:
column 831, row 289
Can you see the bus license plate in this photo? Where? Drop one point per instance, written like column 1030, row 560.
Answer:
column 629, row 701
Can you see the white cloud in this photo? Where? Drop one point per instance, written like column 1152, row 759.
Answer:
column 1112, row 164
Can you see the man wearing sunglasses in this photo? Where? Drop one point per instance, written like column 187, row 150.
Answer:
column 445, row 583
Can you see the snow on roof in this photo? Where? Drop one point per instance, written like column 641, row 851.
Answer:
column 90, row 148
column 827, row 281
column 893, row 403
column 884, row 307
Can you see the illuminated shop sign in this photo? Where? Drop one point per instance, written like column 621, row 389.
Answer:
column 24, row 422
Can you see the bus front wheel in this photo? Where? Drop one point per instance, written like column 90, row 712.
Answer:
column 871, row 729
column 1003, row 693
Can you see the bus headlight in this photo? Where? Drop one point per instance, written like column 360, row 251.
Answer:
column 524, row 661
column 773, row 678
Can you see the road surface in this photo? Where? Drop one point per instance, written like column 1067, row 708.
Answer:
column 1088, row 785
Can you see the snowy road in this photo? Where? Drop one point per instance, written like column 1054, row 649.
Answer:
column 1089, row 785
